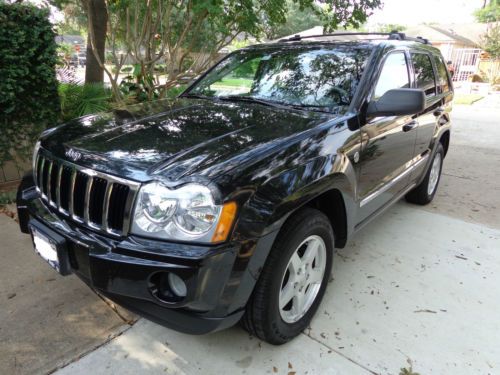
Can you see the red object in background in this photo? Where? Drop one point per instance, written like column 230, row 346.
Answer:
column 77, row 47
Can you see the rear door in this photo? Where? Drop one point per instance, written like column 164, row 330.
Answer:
column 425, row 79
column 388, row 145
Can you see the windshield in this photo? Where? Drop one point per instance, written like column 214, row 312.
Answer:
column 321, row 78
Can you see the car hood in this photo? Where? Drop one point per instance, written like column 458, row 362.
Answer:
column 176, row 139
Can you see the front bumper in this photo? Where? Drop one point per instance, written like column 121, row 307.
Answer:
column 219, row 278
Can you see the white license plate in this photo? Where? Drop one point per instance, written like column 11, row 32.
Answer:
column 46, row 249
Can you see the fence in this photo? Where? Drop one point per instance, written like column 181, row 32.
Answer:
column 465, row 63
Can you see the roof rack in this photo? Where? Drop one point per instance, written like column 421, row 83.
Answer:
column 393, row 35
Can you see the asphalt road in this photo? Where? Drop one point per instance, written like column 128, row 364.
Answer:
column 418, row 286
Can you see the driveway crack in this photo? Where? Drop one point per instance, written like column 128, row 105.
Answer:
column 341, row 354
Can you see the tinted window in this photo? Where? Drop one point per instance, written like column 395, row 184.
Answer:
column 424, row 74
column 442, row 72
column 394, row 75
column 325, row 79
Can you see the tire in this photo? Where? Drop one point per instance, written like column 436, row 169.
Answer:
column 424, row 193
column 263, row 317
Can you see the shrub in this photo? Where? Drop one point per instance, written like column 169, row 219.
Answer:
column 80, row 100
column 28, row 88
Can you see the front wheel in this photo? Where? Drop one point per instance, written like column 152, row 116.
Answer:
column 293, row 280
column 424, row 193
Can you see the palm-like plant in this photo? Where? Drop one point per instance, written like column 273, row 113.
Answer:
column 79, row 100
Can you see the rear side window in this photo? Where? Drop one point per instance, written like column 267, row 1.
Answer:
column 424, row 74
column 394, row 75
column 442, row 72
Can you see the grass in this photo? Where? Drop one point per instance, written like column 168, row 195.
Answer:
column 7, row 197
column 466, row 99
column 235, row 82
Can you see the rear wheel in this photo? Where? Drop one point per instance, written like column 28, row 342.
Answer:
column 294, row 279
column 424, row 193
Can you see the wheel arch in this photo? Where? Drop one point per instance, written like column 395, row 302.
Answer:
column 444, row 139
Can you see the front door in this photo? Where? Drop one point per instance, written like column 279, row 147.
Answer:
column 388, row 144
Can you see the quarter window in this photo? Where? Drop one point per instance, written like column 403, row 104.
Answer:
column 424, row 74
column 394, row 75
column 442, row 72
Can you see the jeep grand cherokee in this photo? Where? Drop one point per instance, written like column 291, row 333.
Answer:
column 226, row 204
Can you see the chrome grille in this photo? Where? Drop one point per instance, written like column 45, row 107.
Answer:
column 97, row 200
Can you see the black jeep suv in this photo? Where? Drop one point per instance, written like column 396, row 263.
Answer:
column 226, row 204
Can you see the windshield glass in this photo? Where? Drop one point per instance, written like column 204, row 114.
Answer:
column 317, row 78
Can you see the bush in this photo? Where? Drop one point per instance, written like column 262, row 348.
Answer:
column 80, row 100
column 28, row 88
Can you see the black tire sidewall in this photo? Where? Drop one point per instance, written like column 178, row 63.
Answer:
column 439, row 150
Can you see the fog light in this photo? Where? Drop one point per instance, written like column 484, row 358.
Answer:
column 177, row 285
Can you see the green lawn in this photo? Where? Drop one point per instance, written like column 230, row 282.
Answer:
column 466, row 99
column 235, row 82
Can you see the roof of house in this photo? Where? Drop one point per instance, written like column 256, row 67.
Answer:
column 467, row 34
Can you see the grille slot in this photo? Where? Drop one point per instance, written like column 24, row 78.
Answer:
column 79, row 194
column 64, row 188
column 117, row 203
column 97, row 200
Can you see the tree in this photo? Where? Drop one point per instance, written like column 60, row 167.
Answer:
column 490, row 12
column 297, row 20
column 97, row 18
column 490, row 41
column 388, row 27
column 187, row 35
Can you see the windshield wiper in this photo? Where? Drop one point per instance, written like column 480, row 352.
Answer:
column 250, row 99
column 314, row 107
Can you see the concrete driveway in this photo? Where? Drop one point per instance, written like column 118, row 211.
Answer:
column 416, row 288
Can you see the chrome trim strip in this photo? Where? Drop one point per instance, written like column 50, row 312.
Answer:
column 58, row 191
column 49, row 183
column 107, row 196
column 88, row 188
column 127, row 214
column 391, row 183
column 40, row 179
column 71, row 192
column 36, row 177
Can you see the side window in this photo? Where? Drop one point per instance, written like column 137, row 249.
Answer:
column 394, row 75
column 424, row 74
column 442, row 72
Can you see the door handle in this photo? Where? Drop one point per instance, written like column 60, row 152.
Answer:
column 407, row 127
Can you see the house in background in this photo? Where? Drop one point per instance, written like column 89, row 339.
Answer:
column 459, row 43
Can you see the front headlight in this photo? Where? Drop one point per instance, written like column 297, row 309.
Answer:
column 185, row 214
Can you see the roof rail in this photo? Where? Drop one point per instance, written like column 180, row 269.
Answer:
column 393, row 35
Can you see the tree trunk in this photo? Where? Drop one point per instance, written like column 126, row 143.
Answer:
column 98, row 14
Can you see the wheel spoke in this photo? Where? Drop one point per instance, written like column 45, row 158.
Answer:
column 311, row 253
column 298, row 303
column 286, row 294
column 294, row 265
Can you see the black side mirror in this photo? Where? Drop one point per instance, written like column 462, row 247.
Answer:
column 397, row 102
